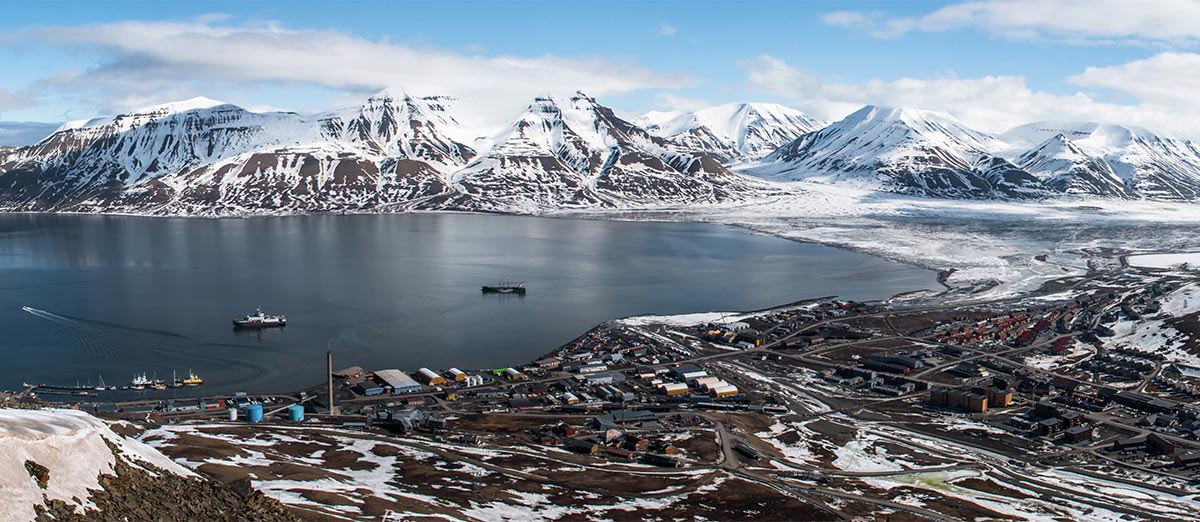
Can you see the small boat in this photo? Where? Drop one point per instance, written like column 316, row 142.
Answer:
column 505, row 288
column 260, row 320
column 140, row 382
column 101, row 387
column 192, row 379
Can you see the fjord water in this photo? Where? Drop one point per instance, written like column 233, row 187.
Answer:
column 110, row 296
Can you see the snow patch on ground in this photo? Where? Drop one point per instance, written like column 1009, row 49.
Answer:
column 73, row 446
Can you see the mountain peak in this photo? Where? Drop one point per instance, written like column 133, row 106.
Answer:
column 391, row 93
column 732, row 131
column 199, row 102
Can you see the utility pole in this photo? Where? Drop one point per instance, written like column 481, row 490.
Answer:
column 329, row 377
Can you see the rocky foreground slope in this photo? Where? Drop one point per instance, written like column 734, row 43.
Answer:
column 58, row 464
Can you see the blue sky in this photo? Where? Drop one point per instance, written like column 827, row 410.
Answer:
column 992, row 63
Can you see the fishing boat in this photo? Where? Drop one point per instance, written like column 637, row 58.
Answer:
column 192, row 379
column 140, row 382
column 260, row 320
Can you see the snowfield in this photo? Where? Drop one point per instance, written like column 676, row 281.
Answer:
column 74, row 447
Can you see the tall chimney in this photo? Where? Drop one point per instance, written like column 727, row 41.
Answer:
column 329, row 376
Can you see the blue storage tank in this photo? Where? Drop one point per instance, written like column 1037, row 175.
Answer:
column 254, row 413
column 296, row 412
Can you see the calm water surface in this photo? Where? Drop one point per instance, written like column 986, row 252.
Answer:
column 111, row 296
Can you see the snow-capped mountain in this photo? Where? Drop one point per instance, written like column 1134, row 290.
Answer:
column 394, row 152
column 901, row 150
column 404, row 127
column 732, row 132
column 397, row 152
column 1153, row 166
column 1065, row 167
column 572, row 151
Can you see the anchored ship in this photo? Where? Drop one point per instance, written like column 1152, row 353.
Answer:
column 505, row 288
column 260, row 320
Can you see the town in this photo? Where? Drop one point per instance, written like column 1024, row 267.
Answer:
column 808, row 400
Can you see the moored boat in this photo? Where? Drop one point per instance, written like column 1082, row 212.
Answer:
column 192, row 380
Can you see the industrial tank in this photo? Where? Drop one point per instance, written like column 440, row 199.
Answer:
column 254, row 413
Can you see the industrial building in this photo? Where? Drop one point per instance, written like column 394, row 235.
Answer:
column 457, row 375
column 368, row 388
column 513, row 375
column 674, row 388
column 727, row 390
column 398, row 381
column 431, row 377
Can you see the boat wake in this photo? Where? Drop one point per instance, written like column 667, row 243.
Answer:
column 115, row 341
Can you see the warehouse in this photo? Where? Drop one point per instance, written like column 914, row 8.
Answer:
column 397, row 380
column 431, row 377
column 725, row 391
column 674, row 388
column 368, row 388
column 709, row 387
column 514, row 375
column 457, row 374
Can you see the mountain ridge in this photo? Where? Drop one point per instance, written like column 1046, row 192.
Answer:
column 398, row 152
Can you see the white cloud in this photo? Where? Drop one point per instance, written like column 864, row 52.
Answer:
column 997, row 103
column 667, row 30
column 15, row 100
column 675, row 102
column 1169, row 79
column 1082, row 21
column 149, row 62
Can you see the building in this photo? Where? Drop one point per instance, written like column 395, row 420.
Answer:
column 431, row 377
column 585, row 447
column 1050, row 427
column 457, row 374
column 727, row 390
column 1188, row 459
column 619, row 453
column 352, row 372
column 1079, row 434
column 959, row 400
column 368, row 388
column 513, row 375
column 1156, row 443
column 1072, row 418
column 898, row 360
column 737, row 327
column 1129, row 443
column 548, row 363
column 999, row 398
column 398, row 381
column 674, row 388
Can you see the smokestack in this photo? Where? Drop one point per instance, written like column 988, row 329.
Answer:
column 329, row 376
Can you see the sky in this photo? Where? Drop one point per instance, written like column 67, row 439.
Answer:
column 992, row 63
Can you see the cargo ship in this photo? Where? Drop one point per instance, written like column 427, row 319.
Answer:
column 260, row 320
column 505, row 288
